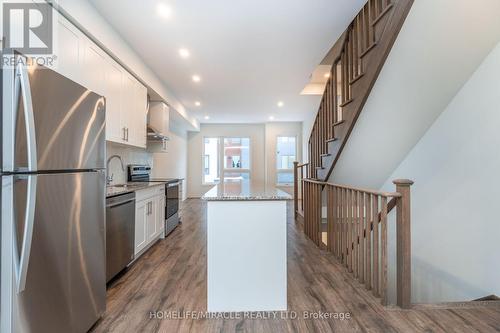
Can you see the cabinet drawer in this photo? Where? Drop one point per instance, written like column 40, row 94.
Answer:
column 150, row 192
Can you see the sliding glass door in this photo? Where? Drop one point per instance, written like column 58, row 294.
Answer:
column 236, row 159
column 227, row 159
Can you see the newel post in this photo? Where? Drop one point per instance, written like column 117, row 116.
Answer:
column 295, row 188
column 403, row 243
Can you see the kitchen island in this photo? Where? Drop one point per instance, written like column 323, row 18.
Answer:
column 246, row 247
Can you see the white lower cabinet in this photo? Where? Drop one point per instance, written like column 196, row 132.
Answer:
column 140, row 226
column 160, row 221
column 149, row 217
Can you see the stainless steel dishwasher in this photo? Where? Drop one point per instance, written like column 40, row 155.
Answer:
column 120, row 231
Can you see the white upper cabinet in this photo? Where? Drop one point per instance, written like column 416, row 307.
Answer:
column 82, row 61
column 70, row 50
column 133, row 112
column 159, row 118
column 140, row 102
column 96, row 61
column 114, row 83
column 127, row 111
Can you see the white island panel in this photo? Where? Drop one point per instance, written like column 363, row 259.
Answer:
column 246, row 255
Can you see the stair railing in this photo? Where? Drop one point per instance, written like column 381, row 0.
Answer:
column 357, row 58
column 356, row 232
column 300, row 172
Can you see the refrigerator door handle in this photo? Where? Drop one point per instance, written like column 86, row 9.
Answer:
column 22, row 79
column 21, row 261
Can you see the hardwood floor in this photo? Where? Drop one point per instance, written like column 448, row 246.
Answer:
column 171, row 276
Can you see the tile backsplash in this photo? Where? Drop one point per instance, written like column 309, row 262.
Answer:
column 129, row 155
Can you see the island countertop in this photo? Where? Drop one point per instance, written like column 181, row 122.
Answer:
column 241, row 191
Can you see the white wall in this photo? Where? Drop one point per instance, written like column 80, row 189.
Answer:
column 307, row 126
column 455, row 222
column 440, row 45
column 89, row 19
column 173, row 162
column 262, row 145
column 129, row 155
column 273, row 130
column 165, row 164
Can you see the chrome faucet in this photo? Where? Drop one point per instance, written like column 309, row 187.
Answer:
column 109, row 178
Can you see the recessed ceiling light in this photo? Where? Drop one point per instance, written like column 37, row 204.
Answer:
column 196, row 78
column 184, row 53
column 206, row 117
column 280, row 104
column 327, row 75
column 197, row 103
column 271, row 117
column 164, row 10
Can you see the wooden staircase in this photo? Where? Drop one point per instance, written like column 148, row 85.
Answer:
column 355, row 226
column 359, row 54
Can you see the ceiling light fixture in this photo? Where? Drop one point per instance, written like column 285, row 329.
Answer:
column 197, row 103
column 281, row 104
column 327, row 75
column 271, row 118
column 196, row 78
column 184, row 53
column 164, row 10
column 207, row 117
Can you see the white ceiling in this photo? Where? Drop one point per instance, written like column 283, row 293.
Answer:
column 249, row 54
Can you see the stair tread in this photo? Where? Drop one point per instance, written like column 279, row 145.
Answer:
column 346, row 102
column 324, row 155
column 356, row 78
column 379, row 17
column 331, row 140
column 338, row 123
column 371, row 47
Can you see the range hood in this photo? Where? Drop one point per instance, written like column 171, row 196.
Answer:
column 158, row 121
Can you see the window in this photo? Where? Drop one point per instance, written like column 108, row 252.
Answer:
column 211, row 160
column 286, row 154
column 236, row 159
column 234, row 156
column 207, row 164
column 237, row 153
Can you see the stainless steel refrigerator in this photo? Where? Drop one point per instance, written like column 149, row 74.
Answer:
column 53, row 203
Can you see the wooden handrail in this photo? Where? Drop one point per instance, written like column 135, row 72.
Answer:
column 357, row 59
column 356, row 217
column 356, row 231
column 383, row 194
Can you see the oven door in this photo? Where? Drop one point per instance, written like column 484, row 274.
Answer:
column 172, row 196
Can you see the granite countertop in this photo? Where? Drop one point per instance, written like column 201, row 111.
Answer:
column 240, row 191
column 114, row 190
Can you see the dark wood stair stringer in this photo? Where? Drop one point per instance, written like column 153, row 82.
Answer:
column 328, row 144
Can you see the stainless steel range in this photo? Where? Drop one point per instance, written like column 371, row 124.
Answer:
column 142, row 173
